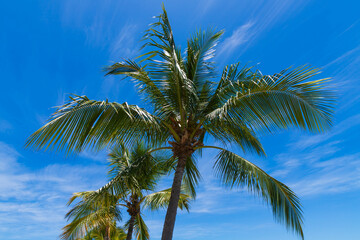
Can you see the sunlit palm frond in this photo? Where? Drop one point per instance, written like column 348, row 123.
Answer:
column 83, row 122
column 199, row 65
column 280, row 101
column 151, row 88
column 161, row 199
column 167, row 66
column 192, row 177
column 87, row 215
column 224, row 89
column 237, row 171
column 133, row 170
column 229, row 131
column 118, row 234
column 141, row 230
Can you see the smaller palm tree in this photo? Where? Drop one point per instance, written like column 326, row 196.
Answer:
column 99, row 234
column 91, row 218
column 136, row 203
column 133, row 175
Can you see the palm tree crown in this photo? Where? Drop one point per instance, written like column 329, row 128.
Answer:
column 190, row 101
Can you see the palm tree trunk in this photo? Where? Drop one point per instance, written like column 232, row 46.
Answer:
column 131, row 227
column 170, row 217
column 107, row 233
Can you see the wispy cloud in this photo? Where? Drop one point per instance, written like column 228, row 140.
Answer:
column 31, row 201
column 239, row 36
column 207, row 230
column 5, row 125
column 343, row 126
column 345, row 72
column 321, row 164
column 101, row 156
column 261, row 18
column 343, row 57
column 335, row 175
column 124, row 44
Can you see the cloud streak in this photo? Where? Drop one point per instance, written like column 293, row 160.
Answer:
column 34, row 202
column 321, row 164
column 239, row 37
column 256, row 23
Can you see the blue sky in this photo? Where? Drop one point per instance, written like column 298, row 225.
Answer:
column 50, row 49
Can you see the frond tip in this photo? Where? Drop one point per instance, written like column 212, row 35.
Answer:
column 237, row 171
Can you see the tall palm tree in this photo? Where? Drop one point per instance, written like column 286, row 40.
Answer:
column 189, row 101
column 133, row 174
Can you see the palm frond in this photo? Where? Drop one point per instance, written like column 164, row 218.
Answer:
column 200, row 52
column 151, row 89
column 88, row 215
column 199, row 65
column 140, row 229
column 191, row 177
column 167, row 66
column 118, row 234
column 229, row 131
column 83, row 122
column 134, row 170
column 237, row 171
column 268, row 103
column 224, row 88
column 161, row 199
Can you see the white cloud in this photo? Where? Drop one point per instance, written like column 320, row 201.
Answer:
column 321, row 164
column 33, row 202
column 124, row 44
column 240, row 35
column 218, row 230
column 262, row 17
column 336, row 175
column 207, row 230
column 101, row 156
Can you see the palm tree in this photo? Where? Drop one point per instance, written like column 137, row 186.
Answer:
column 134, row 173
column 99, row 234
column 91, row 219
column 189, row 102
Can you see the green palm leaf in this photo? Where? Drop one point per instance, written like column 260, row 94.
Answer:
column 278, row 101
column 200, row 68
column 88, row 215
column 83, row 122
column 153, row 92
column 161, row 199
column 237, row 171
column 141, row 230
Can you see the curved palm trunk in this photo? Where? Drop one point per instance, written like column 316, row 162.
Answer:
column 107, row 233
column 170, row 217
column 131, row 228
